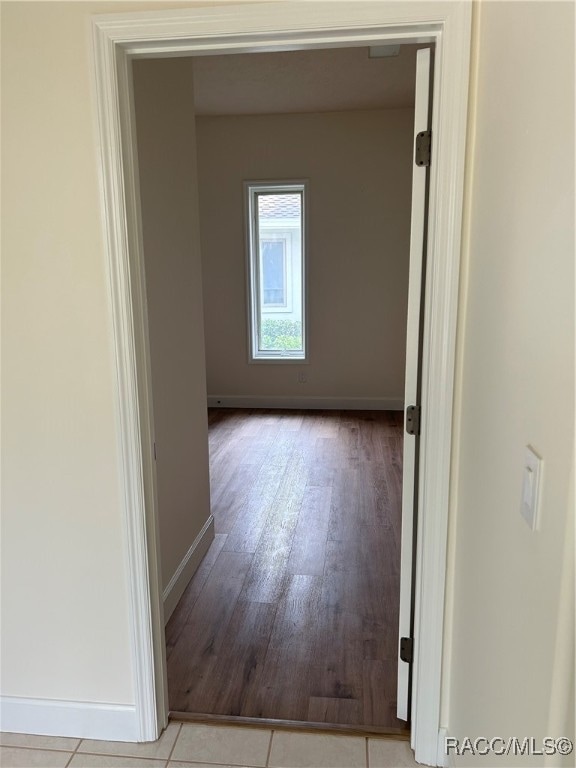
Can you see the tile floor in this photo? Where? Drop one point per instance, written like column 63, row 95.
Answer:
column 187, row 745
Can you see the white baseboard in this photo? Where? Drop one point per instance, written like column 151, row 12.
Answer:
column 77, row 719
column 308, row 403
column 187, row 568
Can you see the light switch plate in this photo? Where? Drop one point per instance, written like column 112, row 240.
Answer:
column 531, row 481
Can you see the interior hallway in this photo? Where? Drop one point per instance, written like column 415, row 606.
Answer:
column 293, row 614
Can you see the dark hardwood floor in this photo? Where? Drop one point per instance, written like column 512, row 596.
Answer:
column 293, row 613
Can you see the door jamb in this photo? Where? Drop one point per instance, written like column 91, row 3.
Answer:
column 117, row 38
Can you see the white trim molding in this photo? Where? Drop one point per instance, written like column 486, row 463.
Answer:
column 187, row 568
column 79, row 719
column 274, row 26
column 121, row 212
column 442, row 759
column 305, row 403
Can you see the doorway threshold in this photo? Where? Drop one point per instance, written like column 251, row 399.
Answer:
column 402, row 734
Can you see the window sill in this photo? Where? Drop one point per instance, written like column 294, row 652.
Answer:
column 280, row 359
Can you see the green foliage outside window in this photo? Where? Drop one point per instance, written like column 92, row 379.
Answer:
column 281, row 335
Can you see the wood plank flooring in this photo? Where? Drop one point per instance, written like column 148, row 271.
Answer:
column 293, row 613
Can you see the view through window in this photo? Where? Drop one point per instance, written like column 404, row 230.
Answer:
column 276, row 264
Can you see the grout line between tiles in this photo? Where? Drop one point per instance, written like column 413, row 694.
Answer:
column 174, row 745
column 73, row 753
column 216, row 765
column 37, row 749
column 116, row 754
column 269, row 747
column 40, row 749
column 76, row 750
column 367, row 754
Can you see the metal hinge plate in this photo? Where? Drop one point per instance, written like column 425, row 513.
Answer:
column 413, row 420
column 406, row 649
column 423, row 145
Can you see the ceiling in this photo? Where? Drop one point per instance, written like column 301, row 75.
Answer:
column 303, row 81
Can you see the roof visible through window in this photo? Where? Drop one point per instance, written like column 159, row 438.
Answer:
column 279, row 206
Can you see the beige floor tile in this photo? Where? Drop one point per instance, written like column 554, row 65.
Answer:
column 38, row 742
column 222, row 745
column 153, row 749
column 316, row 750
column 179, row 764
column 14, row 757
column 386, row 753
column 114, row 761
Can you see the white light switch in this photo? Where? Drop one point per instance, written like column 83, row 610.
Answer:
column 531, row 487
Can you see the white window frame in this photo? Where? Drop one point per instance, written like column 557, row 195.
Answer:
column 252, row 189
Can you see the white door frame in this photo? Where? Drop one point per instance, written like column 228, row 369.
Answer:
column 254, row 27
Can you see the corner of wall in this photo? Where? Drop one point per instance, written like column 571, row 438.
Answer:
column 459, row 366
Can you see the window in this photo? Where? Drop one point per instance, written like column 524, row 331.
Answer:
column 276, row 264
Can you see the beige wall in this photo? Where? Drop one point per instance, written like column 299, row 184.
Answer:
column 64, row 599
column 359, row 170
column 512, row 608
column 168, row 187
column 64, row 603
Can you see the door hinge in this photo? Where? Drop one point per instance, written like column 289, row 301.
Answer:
column 423, row 146
column 413, row 420
column 406, row 649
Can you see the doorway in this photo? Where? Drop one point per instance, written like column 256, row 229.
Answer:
column 354, row 144
column 119, row 38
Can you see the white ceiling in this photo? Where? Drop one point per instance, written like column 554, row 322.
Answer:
column 303, row 81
